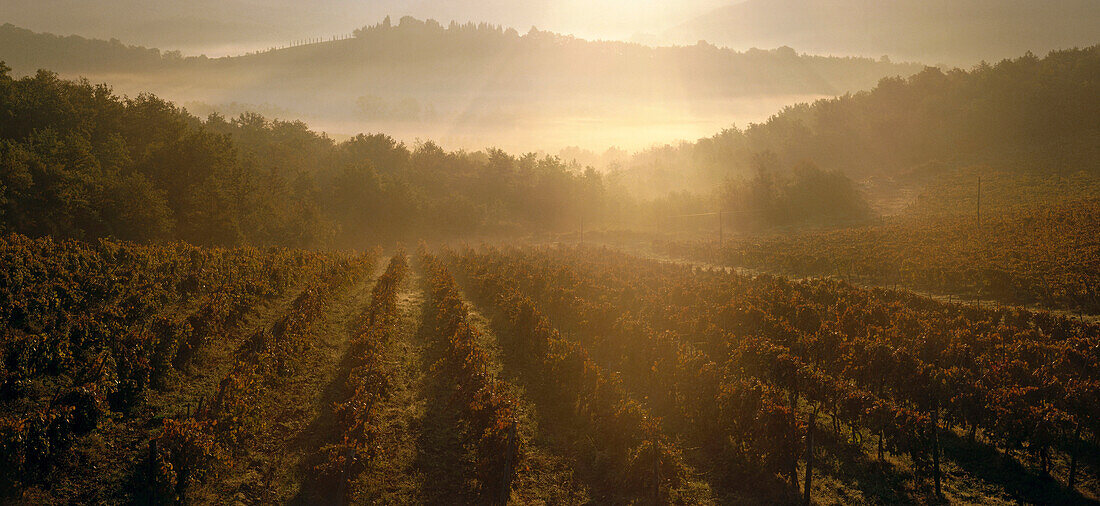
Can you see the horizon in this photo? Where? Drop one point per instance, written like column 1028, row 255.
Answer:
column 226, row 51
column 612, row 20
column 234, row 27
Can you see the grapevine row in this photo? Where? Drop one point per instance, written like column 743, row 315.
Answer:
column 681, row 380
column 1036, row 400
column 484, row 402
column 93, row 324
column 618, row 440
column 366, row 386
column 1048, row 255
column 189, row 449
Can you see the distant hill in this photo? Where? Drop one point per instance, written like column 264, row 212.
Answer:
column 955, row 32
column 479, row 83
column 195, row 25
column 225, row 27
column 475, row 54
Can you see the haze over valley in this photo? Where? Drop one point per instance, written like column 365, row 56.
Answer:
column 488, row 86
column 492, row 79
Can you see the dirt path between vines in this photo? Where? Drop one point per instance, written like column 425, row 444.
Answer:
column 394, row 478
column 545, row 477
column 422, row 455
column 272, row 471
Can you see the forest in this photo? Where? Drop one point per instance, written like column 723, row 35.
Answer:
column 1028, row 113
column 82, row 162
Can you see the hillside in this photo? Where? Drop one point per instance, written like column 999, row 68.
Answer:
column 959, row 32
column 473, row 85
column 1031, row 114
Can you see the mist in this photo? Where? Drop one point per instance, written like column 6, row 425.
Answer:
column 471, row 86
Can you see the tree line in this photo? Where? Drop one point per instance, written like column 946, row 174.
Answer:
column 80, row 162
column 1028, row 113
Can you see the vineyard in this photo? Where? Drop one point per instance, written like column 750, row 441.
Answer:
column 184, row 375
column 784, row 385
column 101, row 340
column 1046, row 256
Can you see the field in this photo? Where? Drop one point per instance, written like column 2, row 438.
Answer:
column 565, row 375
column 1034, row 244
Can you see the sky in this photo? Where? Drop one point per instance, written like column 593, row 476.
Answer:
column 220, row 27
column 951, row 32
